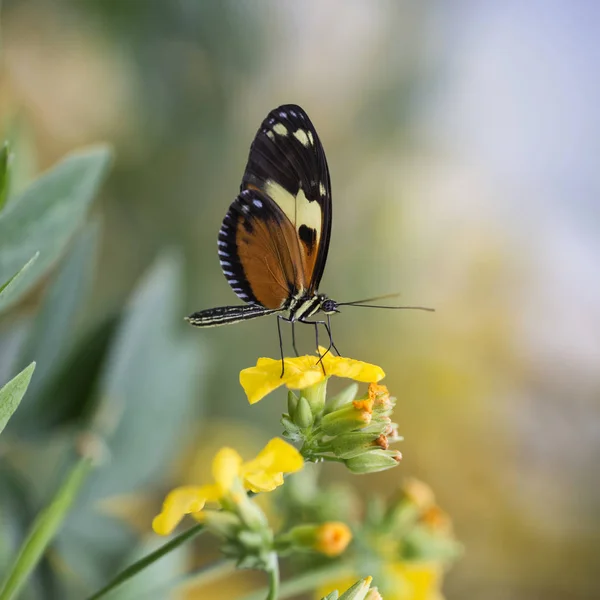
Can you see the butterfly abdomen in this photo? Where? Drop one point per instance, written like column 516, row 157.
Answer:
column 228, row 314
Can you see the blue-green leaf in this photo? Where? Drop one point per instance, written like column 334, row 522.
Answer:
column 50, row 335
column 46, row 215
column 150, row 383
column 12, row 394
column 9, row 287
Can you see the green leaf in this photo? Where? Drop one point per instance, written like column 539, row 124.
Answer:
column 7, row 289
column 46, row 215
column 12, row 394
column 50, row 335
column 150, row 384
column 148, row 394
column 4, row 174
column 43, row 530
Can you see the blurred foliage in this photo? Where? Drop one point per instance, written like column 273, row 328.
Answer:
column 497, row 393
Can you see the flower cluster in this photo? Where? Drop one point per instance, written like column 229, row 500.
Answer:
column 355, row 431
column 238, row 520
column 405, row 545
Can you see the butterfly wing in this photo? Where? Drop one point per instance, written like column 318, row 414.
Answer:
column 287, row 164
column 259, row 251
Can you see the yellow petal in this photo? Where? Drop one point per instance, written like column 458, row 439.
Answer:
column 263, row 481
column 178, row 503
column 350, row 368
column 306, row 378
column 265, row 472
column 418, row 580
column 262, row 379
column 299, row 373
column 225, row 468
column 278, row 455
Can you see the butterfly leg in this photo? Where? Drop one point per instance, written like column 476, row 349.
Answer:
column 320, row 361
column 279, row 319
column 294, row 339
column 329, row 331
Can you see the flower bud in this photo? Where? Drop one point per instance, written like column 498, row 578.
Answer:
column 222, row 523
column 303, row 416
column 358, row 591
column 345, row 419
column 292, row 402
column 344, row 397
column 349, row 445
column 373, row 594
column 315, row 395
column 330, row 539
column 373, row 461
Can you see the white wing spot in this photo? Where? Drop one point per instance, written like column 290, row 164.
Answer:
column 311, row 138
column 322, row 189
column 221, row 253
column 224, row 263
column 280, row 129
column 293, row 113
column 257, row 203
column 301, row 136
column 245, row 208
column 232, row 281
column 229, row 273
column 270, row 135
column 222, row 243
column 282, row 115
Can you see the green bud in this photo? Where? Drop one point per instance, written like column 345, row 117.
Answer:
column 377, row 426
column 303, row 416
column 344, row 397
column 222, row 523
column 289, row 426
column 373, row 461
column 316, row 394
column 252, row 540
column 349, row 445
column 359, row 590
column 292, row 402
column 333, row 596
column 345, row 419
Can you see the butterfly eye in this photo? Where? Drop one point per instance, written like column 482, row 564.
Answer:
column 329, row 306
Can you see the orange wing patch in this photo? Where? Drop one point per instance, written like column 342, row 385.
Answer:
column 270, row 255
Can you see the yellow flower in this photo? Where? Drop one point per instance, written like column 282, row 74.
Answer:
column 303, row 372
column 262, row 474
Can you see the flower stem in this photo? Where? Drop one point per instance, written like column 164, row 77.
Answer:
column 274, row 579
column 147, row 560
column 306, row 582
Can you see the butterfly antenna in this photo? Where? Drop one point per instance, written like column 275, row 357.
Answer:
column 364, row 303
column 374, row 299
column 392, row 307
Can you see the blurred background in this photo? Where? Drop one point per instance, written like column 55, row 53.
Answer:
column 462, row 140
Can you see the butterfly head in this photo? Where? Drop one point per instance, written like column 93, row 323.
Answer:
column 327, row 305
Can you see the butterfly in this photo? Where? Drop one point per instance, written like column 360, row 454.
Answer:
column 274, row 239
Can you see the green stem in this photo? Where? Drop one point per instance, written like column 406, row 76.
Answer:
column 306, row 582
column 274, row 579
column 147, row 560
column 43, row 530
